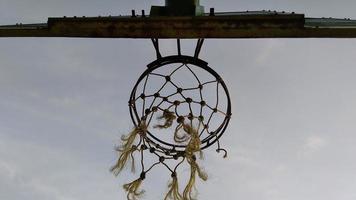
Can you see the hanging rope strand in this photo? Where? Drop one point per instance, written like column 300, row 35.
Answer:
column 127, row 149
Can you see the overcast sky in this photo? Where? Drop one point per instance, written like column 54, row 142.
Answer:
column 63, row 107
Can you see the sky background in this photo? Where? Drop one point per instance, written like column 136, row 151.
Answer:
column 63, row 108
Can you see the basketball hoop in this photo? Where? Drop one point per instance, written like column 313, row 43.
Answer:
column 176, row 115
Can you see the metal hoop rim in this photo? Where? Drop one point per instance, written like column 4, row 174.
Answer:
column 208, row 141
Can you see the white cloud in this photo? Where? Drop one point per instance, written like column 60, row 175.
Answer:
column 39, row 171
column 57, row 94
column 312, row 145
column 315, row 143
column 7, row 169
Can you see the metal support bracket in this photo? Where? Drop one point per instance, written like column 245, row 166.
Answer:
column 198, row 47
column 156, row 46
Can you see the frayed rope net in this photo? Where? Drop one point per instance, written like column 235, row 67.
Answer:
column 174, row 122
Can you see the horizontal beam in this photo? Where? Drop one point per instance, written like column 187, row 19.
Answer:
column 256, row 25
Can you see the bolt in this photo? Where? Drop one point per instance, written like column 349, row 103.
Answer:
column 133, row 13
column 212, row 12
